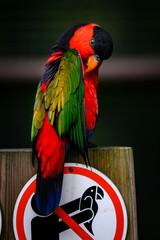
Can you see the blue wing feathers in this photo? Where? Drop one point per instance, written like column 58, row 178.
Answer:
column 48, row 193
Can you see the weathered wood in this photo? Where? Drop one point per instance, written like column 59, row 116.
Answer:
column 116, row 162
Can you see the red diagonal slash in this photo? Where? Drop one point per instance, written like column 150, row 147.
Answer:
column 72, row 224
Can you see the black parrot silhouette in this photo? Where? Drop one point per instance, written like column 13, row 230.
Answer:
column 88, row 200
column 85, row 209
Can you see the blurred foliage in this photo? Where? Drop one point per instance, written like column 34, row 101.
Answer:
column 32, row 27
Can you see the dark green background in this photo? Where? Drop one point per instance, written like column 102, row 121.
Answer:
column 129, row 112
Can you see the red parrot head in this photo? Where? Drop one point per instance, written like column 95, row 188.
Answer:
column 93, row 43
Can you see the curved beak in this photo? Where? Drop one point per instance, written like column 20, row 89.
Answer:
column 92, row 63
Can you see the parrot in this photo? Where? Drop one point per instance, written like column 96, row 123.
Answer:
column 66, row 106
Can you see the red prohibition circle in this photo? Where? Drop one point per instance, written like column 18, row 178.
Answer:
column 79, row 171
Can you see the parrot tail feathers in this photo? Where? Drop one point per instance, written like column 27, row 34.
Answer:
column 48, row 193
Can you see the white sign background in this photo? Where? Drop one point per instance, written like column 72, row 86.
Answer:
column 74, row 185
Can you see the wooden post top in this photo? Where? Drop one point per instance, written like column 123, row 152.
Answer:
column 115, row 162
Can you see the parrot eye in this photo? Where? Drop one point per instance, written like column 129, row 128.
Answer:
column 92, row 41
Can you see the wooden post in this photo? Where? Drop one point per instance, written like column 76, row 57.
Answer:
column 115, row 162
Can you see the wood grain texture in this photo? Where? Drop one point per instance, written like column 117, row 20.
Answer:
column 115, row 162
column 15, row 170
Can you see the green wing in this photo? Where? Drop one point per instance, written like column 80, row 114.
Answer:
column 64, row 102
column 38, row 112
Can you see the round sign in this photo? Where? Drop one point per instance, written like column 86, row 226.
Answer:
column 91, row 207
